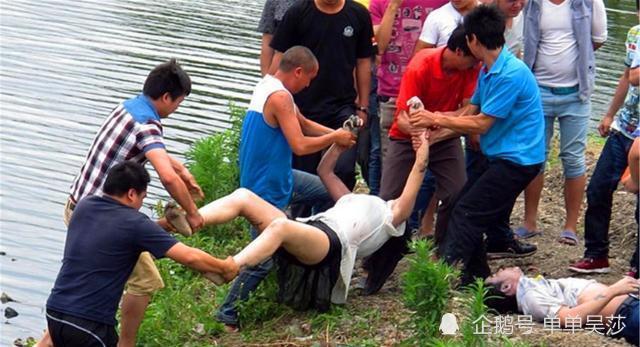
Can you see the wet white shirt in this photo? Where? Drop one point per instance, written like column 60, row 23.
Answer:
column 542, row 298
column 363, row 224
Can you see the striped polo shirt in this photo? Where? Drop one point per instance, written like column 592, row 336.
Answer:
column 132, row 129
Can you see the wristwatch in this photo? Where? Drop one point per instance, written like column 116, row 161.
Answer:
column 363, row 109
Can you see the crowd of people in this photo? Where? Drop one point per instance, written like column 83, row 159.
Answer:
column 456, row 103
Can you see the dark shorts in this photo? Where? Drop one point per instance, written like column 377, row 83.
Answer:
column 71, row 331
column 304, row 286
column 630, row 311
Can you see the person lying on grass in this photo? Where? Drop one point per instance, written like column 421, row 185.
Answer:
column 315, row 256
column 569, row 302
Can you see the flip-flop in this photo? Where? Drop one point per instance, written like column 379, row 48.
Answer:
column 524, row 233
column 568, row 237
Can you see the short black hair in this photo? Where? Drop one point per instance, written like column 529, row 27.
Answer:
column 496, row 300
column 167, row 78
column 298, row 56
column 124, row 176
column 487, row 23
column 458, row 40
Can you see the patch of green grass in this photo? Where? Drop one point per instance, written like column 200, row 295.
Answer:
column 185, row 309
column 427, row 288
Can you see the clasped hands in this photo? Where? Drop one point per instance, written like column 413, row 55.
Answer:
column 423, row 122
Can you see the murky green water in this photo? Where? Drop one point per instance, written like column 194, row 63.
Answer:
column 64, row 65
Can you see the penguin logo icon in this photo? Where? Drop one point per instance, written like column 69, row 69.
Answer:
column 449, row 324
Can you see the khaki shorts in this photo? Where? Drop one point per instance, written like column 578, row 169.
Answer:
column 145, row 278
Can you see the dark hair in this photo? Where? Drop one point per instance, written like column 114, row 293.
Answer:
column 298, row 56
column 167, row 78
column 125, row 176
column 487, row 23
column 496, row 300
column 458, row 40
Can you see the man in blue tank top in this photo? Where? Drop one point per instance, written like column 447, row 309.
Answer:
column 273, row 130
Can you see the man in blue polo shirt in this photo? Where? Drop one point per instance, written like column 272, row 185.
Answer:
column 506, row 111
column 105, row 238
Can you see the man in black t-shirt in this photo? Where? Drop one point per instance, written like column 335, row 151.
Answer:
column 105, row 238
column 339, row 33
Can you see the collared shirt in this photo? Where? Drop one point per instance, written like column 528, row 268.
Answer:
column 132, row 129
column 437, row 90
column 509, row 93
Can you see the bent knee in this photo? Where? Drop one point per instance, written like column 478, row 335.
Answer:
column 573, row 164
column 277, row 226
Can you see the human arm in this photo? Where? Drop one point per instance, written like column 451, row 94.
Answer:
column 333, row 183
column 382, row 28
column 624, row 286
column 311, row 128
column 280, row 106
column 275, row 62
column 161, row 162
column 598, row 24
column 266, row 54
column 616, row 103
column 477, row 124
column 201, row 261
column 403, row 205
column 363, row 82
column 634, row 76
column 267, row 27
column 187, row 178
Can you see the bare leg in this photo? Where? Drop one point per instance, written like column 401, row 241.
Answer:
column 531, row 201
column 573, row 194
column 132, row 312
column 241, row 203
column 307, row 243
column 45, row 341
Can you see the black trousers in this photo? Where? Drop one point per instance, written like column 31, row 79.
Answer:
column 345, row 167
column 72, row 331
column 483, row 207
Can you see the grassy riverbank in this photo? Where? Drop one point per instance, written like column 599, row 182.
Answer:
column 406, row 312
column 408, row 309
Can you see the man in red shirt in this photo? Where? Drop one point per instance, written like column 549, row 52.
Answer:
column 444, row 79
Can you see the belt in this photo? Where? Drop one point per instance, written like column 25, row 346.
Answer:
column 562, row 90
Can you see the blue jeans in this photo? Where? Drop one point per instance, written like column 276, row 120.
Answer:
column 307, row 189
column 375, row 154
column 630, row 311
column 604, row 182
column 573, row 117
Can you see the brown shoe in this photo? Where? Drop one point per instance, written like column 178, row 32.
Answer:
column 177, row 217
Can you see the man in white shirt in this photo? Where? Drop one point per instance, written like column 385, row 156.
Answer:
column 559, row 42
column 440, row 23
column 572, row 302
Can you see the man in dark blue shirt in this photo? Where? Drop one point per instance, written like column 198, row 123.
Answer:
column 105, row 238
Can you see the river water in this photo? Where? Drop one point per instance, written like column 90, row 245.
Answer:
column 64, row 65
